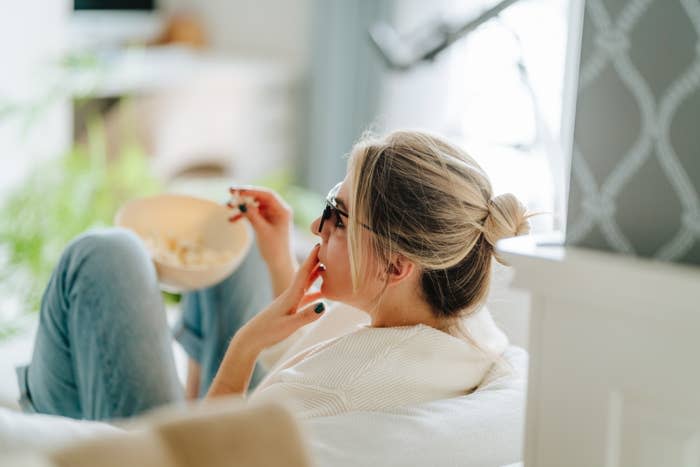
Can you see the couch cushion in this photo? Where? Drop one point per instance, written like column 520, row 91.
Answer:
column 484, row 428
column 220, row 433
column 23, row 432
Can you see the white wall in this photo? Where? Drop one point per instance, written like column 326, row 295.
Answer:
column 32, row 34
column 261, row 28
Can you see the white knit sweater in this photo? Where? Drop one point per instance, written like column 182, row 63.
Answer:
column 382, row 368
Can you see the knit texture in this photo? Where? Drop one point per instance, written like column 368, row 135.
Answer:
column 383, row 368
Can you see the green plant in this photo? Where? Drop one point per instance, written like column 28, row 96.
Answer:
column 59, row 200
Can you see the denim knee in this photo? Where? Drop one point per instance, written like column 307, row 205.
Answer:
column 113, row 249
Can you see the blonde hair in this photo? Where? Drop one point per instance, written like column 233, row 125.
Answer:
column 430, row 202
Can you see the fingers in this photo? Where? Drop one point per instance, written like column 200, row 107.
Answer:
column 266, row 204
column 258, row 192
column 306, row 275
column 315, row 273
column 311, row 297
column 307, row 268
column 309, row 313
column 255, row 218
column 252, row 213
column 264, row 196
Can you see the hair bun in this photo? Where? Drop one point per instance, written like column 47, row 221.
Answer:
column 507, row 217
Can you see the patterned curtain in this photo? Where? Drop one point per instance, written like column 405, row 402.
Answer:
column 635, row 179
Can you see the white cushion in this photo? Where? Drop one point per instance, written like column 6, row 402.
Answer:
column 484, row 428
column 22, row 432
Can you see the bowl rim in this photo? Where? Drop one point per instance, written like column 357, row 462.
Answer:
column 196, row 268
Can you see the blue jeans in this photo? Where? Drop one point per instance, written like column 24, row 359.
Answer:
column 103, row 348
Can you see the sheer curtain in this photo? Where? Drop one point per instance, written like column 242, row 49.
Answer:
column 497, row 91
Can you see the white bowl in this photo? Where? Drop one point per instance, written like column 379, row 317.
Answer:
column 192, row 220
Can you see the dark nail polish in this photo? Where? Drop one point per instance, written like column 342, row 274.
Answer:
column 242, row 207
column 319, row 308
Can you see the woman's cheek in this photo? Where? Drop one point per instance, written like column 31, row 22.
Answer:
column 329, row 286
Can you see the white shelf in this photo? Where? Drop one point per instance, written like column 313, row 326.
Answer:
column 613, row 348
column 140, row 70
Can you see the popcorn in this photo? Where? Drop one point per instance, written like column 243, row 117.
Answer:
column 172, row 251
column 238, row 199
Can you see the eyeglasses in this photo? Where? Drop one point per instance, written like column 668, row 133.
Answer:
column 331, row 209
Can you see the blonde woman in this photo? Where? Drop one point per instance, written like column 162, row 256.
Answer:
column 407, row 238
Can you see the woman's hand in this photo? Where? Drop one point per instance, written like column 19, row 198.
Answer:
column 272, row 222
column 289, row 312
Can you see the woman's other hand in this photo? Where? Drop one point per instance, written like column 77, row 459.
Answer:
column 291, row 310
column 272, row 221
column 294, row 308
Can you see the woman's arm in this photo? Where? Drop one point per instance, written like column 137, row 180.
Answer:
column 272, row 325
column 239, row 363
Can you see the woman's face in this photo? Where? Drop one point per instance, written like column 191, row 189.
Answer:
column 334, row 254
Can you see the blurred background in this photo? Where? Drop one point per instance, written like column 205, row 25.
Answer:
column 105, row 100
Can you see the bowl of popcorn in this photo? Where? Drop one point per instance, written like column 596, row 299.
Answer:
column 191, row 241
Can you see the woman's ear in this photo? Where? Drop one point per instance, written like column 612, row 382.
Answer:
column 399, row 269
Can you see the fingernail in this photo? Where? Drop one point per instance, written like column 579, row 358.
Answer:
column 242, row 207
column 321, row 267
column 319, row 308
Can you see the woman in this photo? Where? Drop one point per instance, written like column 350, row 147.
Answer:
column 407, row 237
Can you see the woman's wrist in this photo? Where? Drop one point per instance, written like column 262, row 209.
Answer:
column 236, row 369
column 245, row 344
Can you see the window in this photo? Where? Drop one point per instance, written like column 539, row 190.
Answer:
column 506, row 86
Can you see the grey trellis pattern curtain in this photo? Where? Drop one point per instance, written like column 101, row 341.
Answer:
column 635, row 182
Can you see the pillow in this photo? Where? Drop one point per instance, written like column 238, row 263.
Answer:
column 484, row 428
column 220, row 433
column 23, row 432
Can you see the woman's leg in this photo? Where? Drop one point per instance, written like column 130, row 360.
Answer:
column 212, row 316
column 103, row 348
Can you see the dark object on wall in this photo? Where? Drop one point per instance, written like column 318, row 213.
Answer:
column 635, row 178
column 114, row 5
